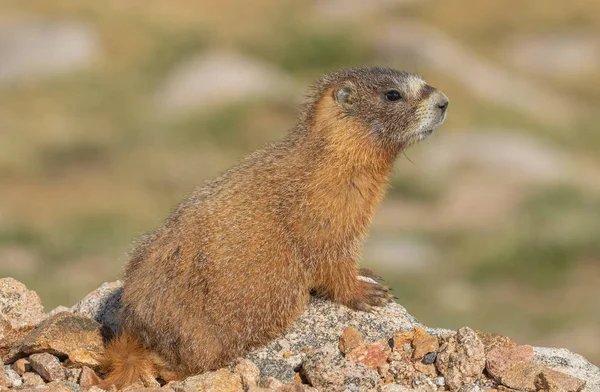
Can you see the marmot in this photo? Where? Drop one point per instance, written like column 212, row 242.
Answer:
column 233, row 266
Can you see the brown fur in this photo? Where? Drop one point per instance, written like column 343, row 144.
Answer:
column 233, row 265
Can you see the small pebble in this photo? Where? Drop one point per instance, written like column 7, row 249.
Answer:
column 31, row 379
column 429, row 358
column 21, row 366
column 12, row 377
column 47, row 366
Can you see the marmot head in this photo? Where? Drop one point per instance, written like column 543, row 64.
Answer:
column 396, row 108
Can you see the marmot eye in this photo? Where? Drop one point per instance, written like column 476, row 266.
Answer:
column 392, row 95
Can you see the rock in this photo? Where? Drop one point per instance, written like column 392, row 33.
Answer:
column 371, row 355
column 424, row 384
column 258, row 389
column 153, row 389
column 31, row 379
column 47, row 366
column 542, row 384
column 296, row 388
column 501, row 359
column 429, row 358
column 21, row 308
column 59, row 309
column 219, row 78
column 401, row 339
column 472, row 388
column 402, row 370
column 248, row 372
column 13, row 380
column 349, row 340
column 516, row 368
column 327, row 370
column 405, row 40
column 96, row 389
column 3, row 378
column 102, row 305
column 63, row 386
column 221, row 380
column 521, row 376
column 461, row 358
column 492, row 340
column 72, row 375
column 29, row 51
column 423, row 344
column 560, row 381
column 21, row 366
column 559, row 55
column 66, row 334
column 569, row 363
column 88, row 378
column 321, row 324
column 427, row 369
column 395, row 388
column 272, row 383
column 20, row 311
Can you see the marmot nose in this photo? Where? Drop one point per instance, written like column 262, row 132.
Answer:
column 442, row 102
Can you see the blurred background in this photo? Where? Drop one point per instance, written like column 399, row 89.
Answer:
column 111, row 111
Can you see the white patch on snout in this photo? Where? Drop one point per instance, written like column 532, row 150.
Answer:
column 430, row 117
column 414, row 85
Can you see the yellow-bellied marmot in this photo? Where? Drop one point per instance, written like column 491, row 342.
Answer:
column 233, row 265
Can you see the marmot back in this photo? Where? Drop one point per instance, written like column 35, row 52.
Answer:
column 235, row 263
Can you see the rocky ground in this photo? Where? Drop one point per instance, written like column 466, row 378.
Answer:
column 330, row 348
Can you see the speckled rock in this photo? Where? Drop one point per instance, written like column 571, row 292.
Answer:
column 72, row 375
column 565, row 361
column 22, row 308
column 102, row 305
column 21, row 366
column 349, row 340
column 371, row 355
column 321, row 324
column 423, row 343
column 560, row 380
column 501, row 359
column 13, row 380
column 327, row 370
column 248, row 372
column 63, row 386
column 47, row 366
column 272, row 383
column 461, row 358
column 492, row 340
column 3, row 379
column 59, row 309
column 75, row 336
column 221, row 380
column 88, row 378
column 402, row 339
column 395, row 388
column 296, row 388
column 31, row 379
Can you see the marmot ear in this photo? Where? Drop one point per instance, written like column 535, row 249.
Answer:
column 345, row 95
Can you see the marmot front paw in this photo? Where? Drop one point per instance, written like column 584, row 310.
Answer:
column 369, row 295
